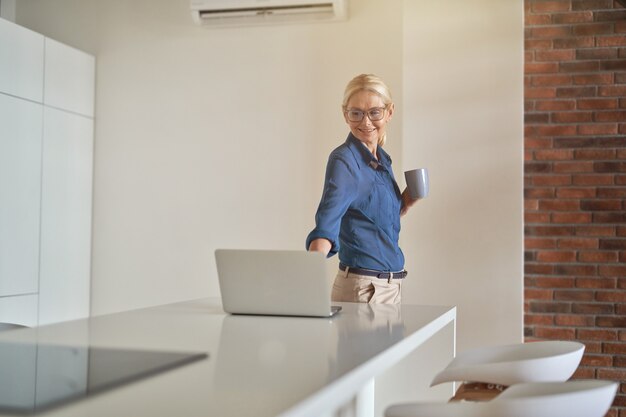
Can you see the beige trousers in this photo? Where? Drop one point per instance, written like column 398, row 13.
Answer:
column 364, row 289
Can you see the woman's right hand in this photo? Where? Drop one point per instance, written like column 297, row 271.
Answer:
column 320, row 245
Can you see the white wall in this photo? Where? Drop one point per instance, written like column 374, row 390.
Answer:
column 219, row 138
column 463, row 108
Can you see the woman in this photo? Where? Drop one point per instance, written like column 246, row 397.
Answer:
column 359, row 213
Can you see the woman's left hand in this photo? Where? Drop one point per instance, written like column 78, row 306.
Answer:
column 407, row 202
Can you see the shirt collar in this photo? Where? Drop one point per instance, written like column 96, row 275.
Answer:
column 358, row 148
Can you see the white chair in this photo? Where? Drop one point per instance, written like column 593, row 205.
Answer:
column 10, row 326
column 580, row 398
column 511, row 364
column 502, row 366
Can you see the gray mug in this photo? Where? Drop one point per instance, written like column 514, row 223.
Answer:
column 417, row 182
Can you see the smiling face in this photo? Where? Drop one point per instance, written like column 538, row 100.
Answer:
column 366, row 130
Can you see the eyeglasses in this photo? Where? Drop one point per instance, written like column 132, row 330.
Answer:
column 375, row 114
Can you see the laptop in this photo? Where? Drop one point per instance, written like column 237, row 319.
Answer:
column 274, row 282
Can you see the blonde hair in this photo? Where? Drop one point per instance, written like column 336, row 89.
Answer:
column 368, row 82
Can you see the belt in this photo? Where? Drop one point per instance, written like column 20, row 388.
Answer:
column 373, row 273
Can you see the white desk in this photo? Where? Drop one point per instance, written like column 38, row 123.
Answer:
column 257, row 366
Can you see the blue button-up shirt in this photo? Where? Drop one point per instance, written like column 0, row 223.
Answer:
column 359, row 212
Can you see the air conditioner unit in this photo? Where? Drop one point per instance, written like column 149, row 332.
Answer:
column 255, row 12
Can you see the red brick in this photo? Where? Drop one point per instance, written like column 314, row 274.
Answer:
column 591, row 4
column 550, row 6
column 576, row 320
column 592, row 179
column 547, row 180
column 595, row 205
column 560, row 205
column 541, row 269
column 589, row 142
column 556, row 256
column 593, row 308
column 550, row 32
column 573, row 167
column 596, row 334
column 556, row 105
column 550, row 231
column 541, row 68
column 597, row 103
column 556, row 55
column 600, row 231
column 537, row 167
column 575, row 92
column 537, row 143
column 609, row 166
column 596, row 129
column 550, row 80
column 572, row 117
column 538, row 19
column 596, row 360
column 610, row 15
column 581, row 17
column 618, row 375
column 539, row 193
column 595, row 79
column 539, row 92
column 569, row 218
column 536, row 118
column 619, row 361
column 612, row 91
column 596, row 53
column 579, row 66
column 531, row 44
column 606, row 321
column 538, row 319
column 575, row 192
column 613, row 244
column 610, row 116
column 609, row 217
column 613, row 65
column 535, row 294
column 594, row 154
column 596, row 282
column 618, row 40
column 578, row 243
column 617, row 348
column 616, row 296
column 549, row 307
column 555, row 333
column 536, row 218
column 549, row 282
column 575, row 270
column 593, row 29
column 530, row 204
column 538, row 243
column 597, row 256
column 569, row 42
column 556, row 130
column 573, row 295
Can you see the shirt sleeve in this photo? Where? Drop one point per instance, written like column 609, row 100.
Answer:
column 340, row 190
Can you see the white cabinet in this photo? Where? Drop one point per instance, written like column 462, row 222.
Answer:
column 46, row 158
column 21, row 61
column 20, row 192
column 66, row 216
column 69, row 78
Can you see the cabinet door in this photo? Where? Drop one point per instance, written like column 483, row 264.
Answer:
column 69, row 78
column 20, row 194
column 21, row 61
column 66, row 216
column 19, row 309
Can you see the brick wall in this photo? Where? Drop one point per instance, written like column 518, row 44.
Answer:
column 575, row 181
